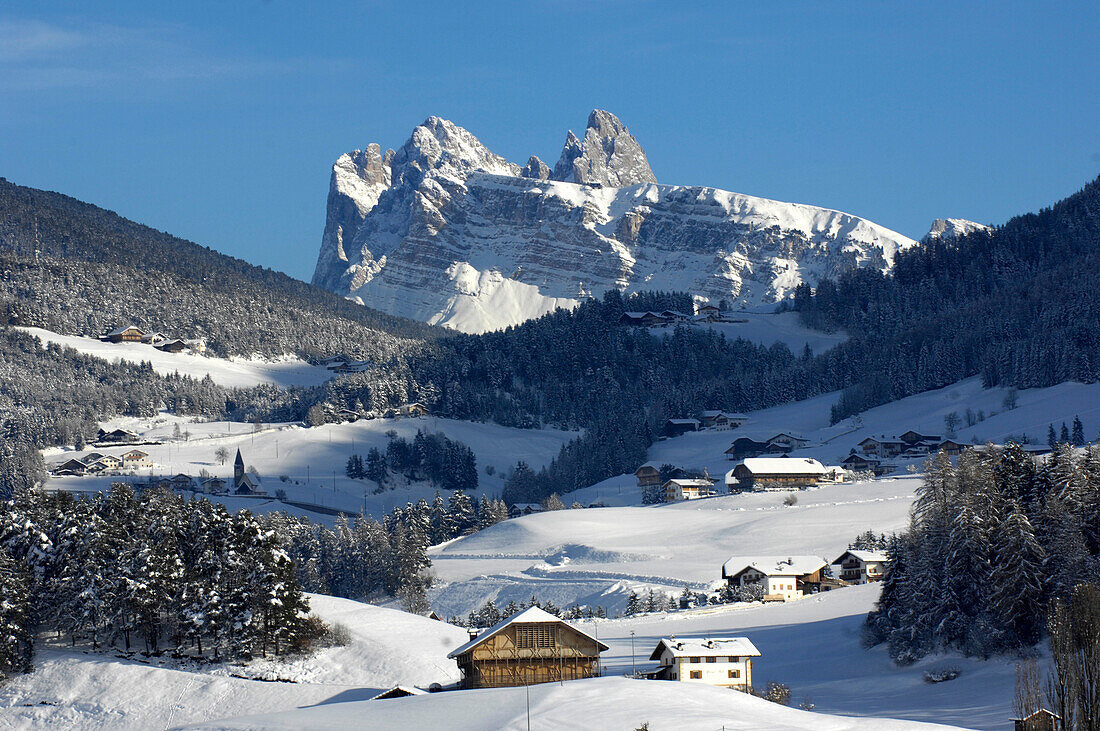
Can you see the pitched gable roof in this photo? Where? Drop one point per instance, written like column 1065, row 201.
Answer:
column 783, row 466
column 527, row 616
column 773, row 565
column 698, row 647
column 865, row 556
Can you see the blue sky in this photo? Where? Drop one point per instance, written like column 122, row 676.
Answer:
column 219, row 122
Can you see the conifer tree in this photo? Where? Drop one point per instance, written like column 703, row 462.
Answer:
column 1077, row 436
column 16, row 638
column 1017, row 581
column 633, row 606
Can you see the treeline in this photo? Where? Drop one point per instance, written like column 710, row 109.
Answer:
column 659, row 301
column 363, row 558
column 1015, row 306
column 582, row 370
column 489, row 614
column 447, row 463
column 151, row 571
column 992, row 542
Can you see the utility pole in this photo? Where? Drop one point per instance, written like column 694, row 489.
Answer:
column 599, row 668
column 633, row 669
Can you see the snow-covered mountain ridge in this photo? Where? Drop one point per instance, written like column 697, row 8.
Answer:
column 443, row 230
column 952, row 228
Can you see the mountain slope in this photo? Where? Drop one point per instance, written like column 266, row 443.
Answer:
column 77, row 269
column 1016, row 304
column 447, row 232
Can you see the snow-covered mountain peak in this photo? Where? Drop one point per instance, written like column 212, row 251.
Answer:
column 952, row 228
column 445, row 231
column 608, row 156
column 441, row 145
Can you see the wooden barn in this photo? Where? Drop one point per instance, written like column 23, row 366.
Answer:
column 127, row 334
column 780, row 473
column 530, row 647
column 648, row 475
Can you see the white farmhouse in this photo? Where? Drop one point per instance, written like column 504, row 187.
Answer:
column 686, row 489
column 724, row 661
column 136, row 458
column 783, row 578
column 861, row 567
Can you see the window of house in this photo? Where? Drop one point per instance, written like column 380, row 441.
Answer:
column 712, row 659
column 695, row 659
column 696, row 674
column 534, row 635
column 735, row 673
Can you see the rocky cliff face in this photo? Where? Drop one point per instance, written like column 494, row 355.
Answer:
column 445, row 231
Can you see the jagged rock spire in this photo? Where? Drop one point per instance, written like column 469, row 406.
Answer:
column 608, row 156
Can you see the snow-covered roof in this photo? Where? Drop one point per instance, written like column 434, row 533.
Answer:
column 690, row 482
column 399, row 691
column 527, row 616
column 654, row 465
column 783, row 466
column 774, row 565
column 684, row 421
column 698, row 647
column 865, row 556
column 120, row 330
column 712, row 413
column 788, row 435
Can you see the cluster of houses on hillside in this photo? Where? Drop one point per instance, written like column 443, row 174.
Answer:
column 709, row 419
column 702, row 314
column 754, row 474
column 160, row 341
column 780, row 443
column 534, row 646
column 872, row 453
column 345, row 364
column 786, row 578
column 97, row 463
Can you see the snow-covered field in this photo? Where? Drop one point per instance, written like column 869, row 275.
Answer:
column 597, row 556
column 234, row 372
column 601, row 703
column 313, row 459
column 72, row 689
column 760, row 325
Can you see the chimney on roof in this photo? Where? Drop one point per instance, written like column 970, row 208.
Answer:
column 472, row 631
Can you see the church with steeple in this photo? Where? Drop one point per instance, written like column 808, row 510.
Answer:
column 244, row 483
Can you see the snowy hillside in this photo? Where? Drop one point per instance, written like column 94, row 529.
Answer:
column 84, row 690
column 601, row 703
column 837, row 675
column 234, row 372
column 597, row 556
column 446, row 232
column 925, row 412
column 313, row 459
